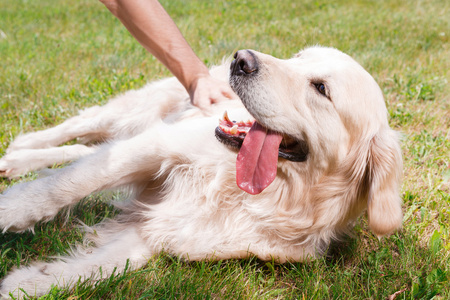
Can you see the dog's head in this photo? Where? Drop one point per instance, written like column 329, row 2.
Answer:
column 325, row 113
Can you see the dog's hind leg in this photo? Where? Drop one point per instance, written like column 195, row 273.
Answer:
column 122, row 117
column 89, row 122
column 118, row 247
column 22, row 161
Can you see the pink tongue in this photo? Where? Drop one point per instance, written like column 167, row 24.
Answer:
column 256, row 164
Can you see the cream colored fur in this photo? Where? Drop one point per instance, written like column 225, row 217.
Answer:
column 184, row 198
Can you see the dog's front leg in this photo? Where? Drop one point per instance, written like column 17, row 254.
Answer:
column 117, row 164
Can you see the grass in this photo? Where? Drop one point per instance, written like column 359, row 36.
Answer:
column 60, row 56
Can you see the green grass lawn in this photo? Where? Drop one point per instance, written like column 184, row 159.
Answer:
column 58, row 56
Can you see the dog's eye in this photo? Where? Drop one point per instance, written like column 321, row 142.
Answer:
column 321, row 88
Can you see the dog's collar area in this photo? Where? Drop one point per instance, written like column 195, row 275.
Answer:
column 232, row 134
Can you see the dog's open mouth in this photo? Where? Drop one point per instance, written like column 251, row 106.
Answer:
column 256, row 164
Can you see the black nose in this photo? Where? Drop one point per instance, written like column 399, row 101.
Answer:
column 244, row 63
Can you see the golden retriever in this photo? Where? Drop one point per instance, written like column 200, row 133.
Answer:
column 312, row 152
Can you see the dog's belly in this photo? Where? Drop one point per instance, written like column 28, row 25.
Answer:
column 213, row 221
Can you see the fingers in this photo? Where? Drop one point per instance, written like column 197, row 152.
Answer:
column 226, row 93
column 209, row 90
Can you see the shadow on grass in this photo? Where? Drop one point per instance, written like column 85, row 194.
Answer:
column 52, row 238
column 355, row 267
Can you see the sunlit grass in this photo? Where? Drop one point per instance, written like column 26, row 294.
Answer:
column 57, row 57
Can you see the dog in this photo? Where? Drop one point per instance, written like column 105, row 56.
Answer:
column 285, row 171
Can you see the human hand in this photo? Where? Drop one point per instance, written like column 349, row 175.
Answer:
column 208, row 90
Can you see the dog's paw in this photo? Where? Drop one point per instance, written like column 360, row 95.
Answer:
column 16, row 163
column 11, row 217
column 32, row 140
column 17, row 209
column 25, row 204
column 7, row 167
column 32, row 281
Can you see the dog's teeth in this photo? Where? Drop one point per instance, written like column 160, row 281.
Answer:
column 234, row 129
column 225, row 116
column 224, row 128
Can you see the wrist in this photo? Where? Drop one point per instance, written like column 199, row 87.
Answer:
column 192, row 80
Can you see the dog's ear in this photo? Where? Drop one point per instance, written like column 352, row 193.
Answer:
column 383, row 176
column 368, row 176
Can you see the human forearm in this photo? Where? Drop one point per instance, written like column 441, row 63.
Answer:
column 150, row 24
